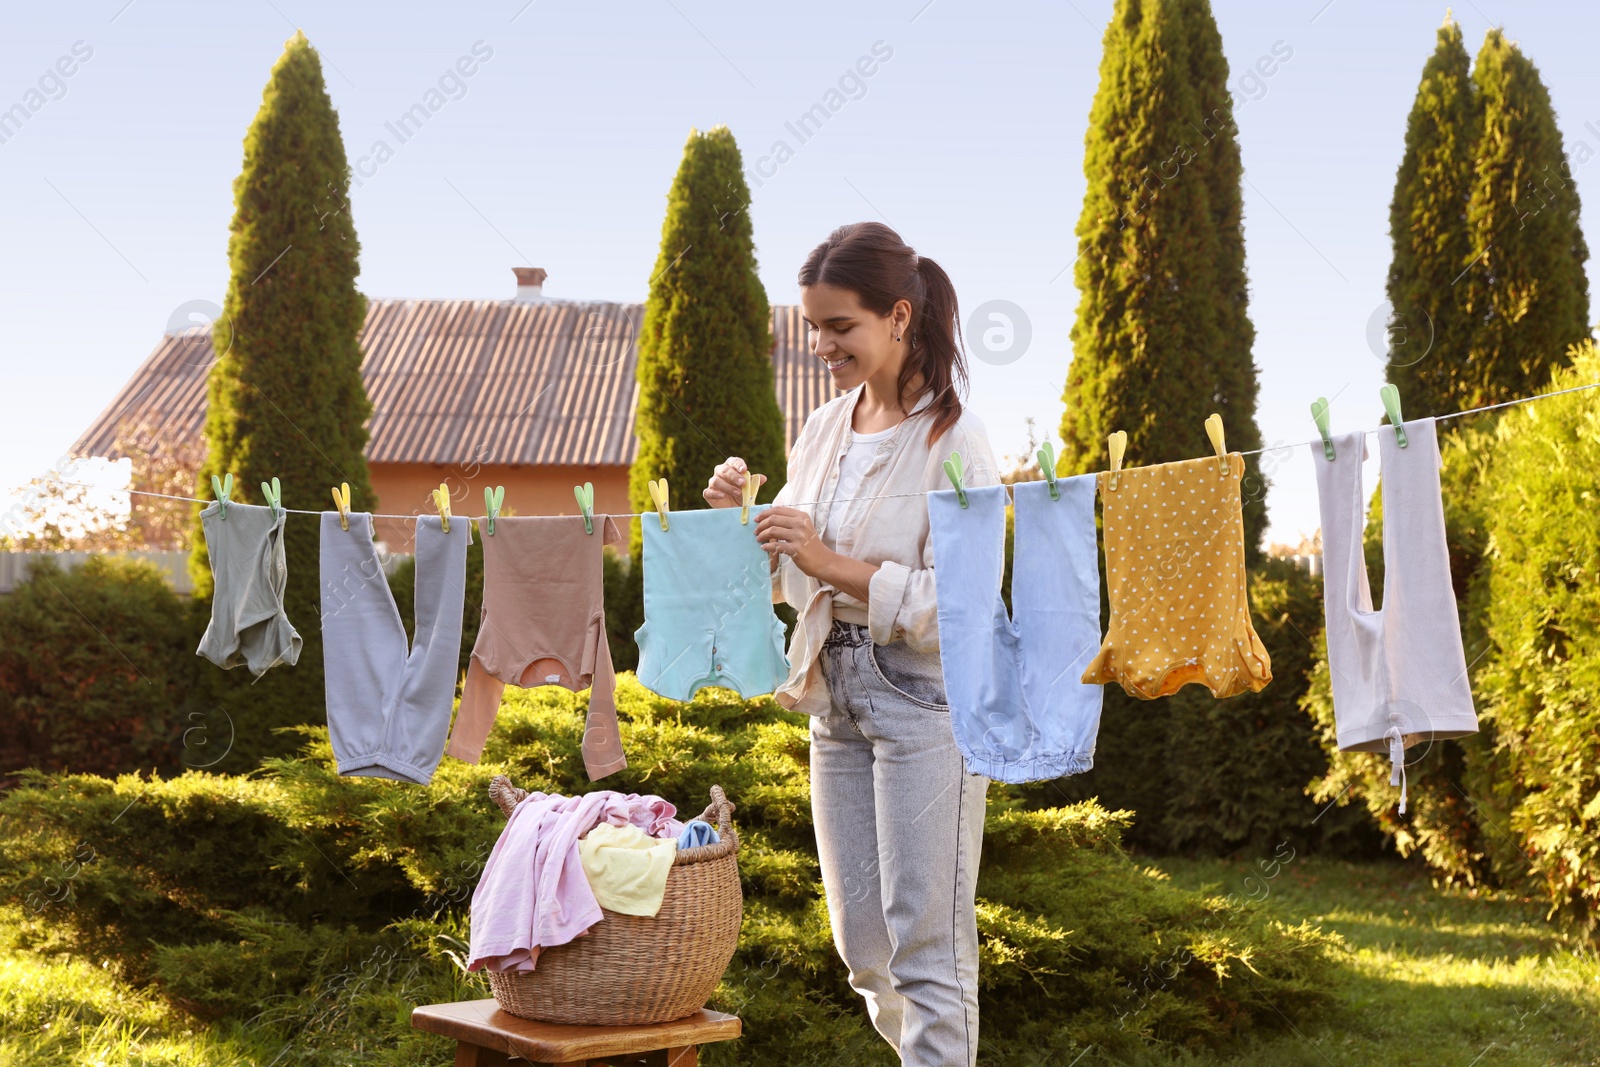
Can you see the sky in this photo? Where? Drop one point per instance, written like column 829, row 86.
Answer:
column 557, row 152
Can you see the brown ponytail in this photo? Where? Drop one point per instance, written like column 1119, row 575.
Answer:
column 871, row 261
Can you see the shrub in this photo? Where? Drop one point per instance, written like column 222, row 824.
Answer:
column 329, row 901
column 95, row 664
column 1540, row 686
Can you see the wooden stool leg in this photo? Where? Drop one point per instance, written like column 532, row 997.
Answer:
column 683, row 1056
column 469, row 1055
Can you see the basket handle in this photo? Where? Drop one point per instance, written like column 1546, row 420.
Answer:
column 721, row 809
column 505, row 795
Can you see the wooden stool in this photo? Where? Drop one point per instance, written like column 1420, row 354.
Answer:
column 488, row 1037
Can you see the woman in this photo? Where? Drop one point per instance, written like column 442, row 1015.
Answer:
column 899, row 822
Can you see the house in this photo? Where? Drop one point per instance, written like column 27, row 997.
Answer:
column 532, row 393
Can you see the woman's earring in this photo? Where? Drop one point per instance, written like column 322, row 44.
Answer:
column 897, row 337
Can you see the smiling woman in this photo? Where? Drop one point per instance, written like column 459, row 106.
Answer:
column 898, row 819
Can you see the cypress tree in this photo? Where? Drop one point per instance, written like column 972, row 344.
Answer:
column 1430, row 333
column 285, row 395
column 706, row 388
column 1525, row 288
column 1162, row 338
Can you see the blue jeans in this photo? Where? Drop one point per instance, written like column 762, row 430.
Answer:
column 899, row 826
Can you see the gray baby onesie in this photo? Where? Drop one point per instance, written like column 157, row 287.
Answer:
column 389, row 707
column 248, row 575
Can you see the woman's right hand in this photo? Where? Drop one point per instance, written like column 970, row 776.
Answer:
column 725, row 489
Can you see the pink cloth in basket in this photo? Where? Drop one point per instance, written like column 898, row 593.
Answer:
column 533, row 893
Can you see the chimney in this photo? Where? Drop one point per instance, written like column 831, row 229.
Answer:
column 530, row 284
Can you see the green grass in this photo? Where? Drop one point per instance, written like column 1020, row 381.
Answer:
column 1436, row 978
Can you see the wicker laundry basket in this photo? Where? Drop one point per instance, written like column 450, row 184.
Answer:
column 631, row 969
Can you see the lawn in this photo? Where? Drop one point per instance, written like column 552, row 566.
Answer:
column 1436, row 977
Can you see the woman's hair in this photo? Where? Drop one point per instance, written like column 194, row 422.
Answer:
column 871, row 261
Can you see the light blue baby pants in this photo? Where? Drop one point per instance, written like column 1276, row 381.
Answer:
column 1019, row 712
column 708, row 617
column 389, row 706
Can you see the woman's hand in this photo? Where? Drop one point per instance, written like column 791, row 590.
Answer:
column 789, row 532
column 726, row 485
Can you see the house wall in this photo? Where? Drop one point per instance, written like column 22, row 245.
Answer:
column 404, row 488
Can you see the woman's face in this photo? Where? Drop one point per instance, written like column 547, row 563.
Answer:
column 855, row 343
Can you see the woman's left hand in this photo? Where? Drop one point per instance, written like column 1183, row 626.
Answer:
column 789, row 531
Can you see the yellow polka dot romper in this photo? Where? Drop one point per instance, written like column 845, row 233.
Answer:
column 1174, row 536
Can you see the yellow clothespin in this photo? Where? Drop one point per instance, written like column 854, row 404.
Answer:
column 441, row 500
column 658, row 493
column 1118, row 443
column 341, row 500
column 749, row 497
column 1214, row 431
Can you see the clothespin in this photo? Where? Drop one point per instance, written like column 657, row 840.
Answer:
column 952, row 467
column 748, row 494
column 1214, row 431
column 585, row 495
column 274, row 497
column 658, row 493
column 1319, row 412
column 492, row 499
column 1391, row 403
column 341, row 501
column 1047, row 463
column 441, row 500
column 223, row 488
column 1118, row 443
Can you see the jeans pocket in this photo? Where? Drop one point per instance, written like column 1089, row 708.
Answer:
column 915, row 676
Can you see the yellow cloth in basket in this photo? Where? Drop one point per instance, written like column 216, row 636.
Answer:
column 627, row 868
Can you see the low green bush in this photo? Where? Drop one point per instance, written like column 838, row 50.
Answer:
column 326, row 906
column 95, row 665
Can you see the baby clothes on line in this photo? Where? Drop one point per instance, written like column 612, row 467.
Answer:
column 389, row 707
column 627, row 868
column 1180, row 611
column 533, row 893
column 1018, row 707
column 248, row 576
column 1399, row 674
column 708, row 617
column 544, row 623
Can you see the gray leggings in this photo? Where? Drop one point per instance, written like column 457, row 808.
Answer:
column 899, row 826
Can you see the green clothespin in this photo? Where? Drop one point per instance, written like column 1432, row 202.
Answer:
column 1047, row 463
column 1391, row 403
column 952, row 467
column 585, row 495
column 223, row 489
column 274, row 497
column 492, row 499
column 1319, row 412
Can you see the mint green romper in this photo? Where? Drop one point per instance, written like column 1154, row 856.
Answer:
column 708, row 617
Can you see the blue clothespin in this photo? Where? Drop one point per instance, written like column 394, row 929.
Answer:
column 585, row 495
column 1391, row 403
column 1319, row 412
column 952, row 467
column 492, row 499
column 1047, row 463
column 223, row 489
column 274, row 497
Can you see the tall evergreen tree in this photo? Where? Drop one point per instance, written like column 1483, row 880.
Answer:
column 1430, row 333
column 1162, row 338
column 285, row 395
column 705, row 346
column 1526, row 291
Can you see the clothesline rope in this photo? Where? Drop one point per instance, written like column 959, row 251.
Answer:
column 876, row 496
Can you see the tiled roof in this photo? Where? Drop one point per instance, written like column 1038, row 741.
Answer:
column 486, row 381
